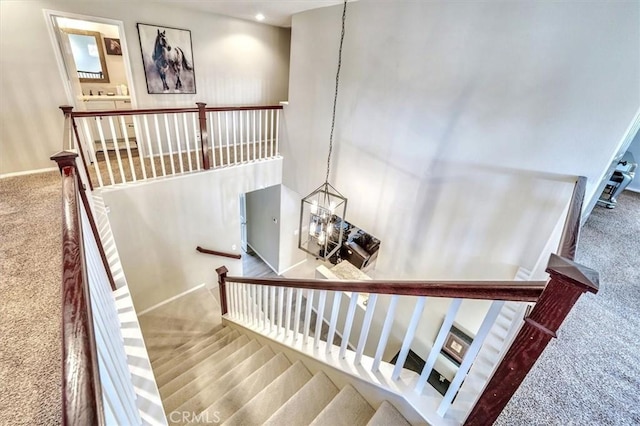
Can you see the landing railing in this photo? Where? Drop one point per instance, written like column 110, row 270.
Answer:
column 124, row 146
column 283, row 310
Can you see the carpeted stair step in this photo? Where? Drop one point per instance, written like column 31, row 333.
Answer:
column 182, row 362
column 192, row 346
column 348, row 408
column 192, row 370
column 234, row 399
column 168, row 342
column 267, row 401
column 199, row 378
column 232, row 376
column 387, row 415
column 306, row 404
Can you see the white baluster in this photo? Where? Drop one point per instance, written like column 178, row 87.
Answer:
column 272, row 318
column 90, row 143
column 104, row 149
column 212, row 136
column 366, row 325
column 319, row 318
column 159, row 144
column 259, row 305
column 307, row 316
column 386, row 331
column 287, row 325
column 235, row 138
column 348, row 324
column 254, row 305
column 195, row 120
column 408, row 337
column 260, row 134
column 271, row 138
column 280, row 308
column 149, row 146
column 248, row 133
column 114, row 138
column 226, row 123
column 169, row 143
column 277, row 131
column 187, row 141
column 178, row 141
column 470, row 356
column 139, row 142
column 296, row 318
column 123, row 127
column 437, row 345
column 337, row 297
column 219, row 121
column 254, row 136
column 241, row 134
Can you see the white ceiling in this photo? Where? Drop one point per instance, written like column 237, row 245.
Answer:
column 276, row 12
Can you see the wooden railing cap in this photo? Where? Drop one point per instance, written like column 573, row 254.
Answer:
column 579, row 274
column 65, row 158
column 222, row 270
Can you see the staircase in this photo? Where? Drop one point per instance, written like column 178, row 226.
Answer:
column 208, row 373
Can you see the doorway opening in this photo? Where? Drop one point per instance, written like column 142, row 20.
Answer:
column 252, row 264
column 93, row 59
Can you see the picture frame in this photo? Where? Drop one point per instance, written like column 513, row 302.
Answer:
column 456, row 345
column 167, row 57
column 112, row 46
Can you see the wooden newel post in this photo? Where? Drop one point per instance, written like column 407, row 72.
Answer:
column 67, row 110
column 222, row 277
column 204, row 135
column 65, row 159
column 567, row 283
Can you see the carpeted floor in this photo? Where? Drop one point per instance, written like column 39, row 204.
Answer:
column 590, row 375
column 30, row 314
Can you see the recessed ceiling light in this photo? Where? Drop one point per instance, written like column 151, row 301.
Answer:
column 259, row 17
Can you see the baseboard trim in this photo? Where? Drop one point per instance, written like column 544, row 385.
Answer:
column 292, row 266
column 27, row 172
column 171, row 299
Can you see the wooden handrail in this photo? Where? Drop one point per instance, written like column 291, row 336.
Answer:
column 81, row 391
column 148, row 111
column 571, row 230
column 523, row 291
column 218, row 253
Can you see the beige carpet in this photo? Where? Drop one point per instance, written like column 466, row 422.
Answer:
column 30, row 275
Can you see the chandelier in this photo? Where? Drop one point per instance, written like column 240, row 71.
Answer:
column 323, row 211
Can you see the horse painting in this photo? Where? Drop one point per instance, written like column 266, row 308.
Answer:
column 169, row 59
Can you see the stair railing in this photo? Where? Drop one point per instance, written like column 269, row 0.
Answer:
column 97, row 388
column 281, row 309
column 124, row 146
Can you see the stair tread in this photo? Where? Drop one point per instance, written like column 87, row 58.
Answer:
column 387, row 415
column 163, row 344
column 187, row 374
column 165, row 373
column 306, row 404
column 235, row 398
column 267, row 401
column 194, row 344
column 348, row 408
column 188, row 384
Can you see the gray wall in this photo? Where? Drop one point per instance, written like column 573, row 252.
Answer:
column 236, row 63
column 263, row 224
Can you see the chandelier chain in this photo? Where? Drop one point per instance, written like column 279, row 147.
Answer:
column 335, row 97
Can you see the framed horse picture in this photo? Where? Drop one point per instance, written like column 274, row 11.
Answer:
column 167, row 57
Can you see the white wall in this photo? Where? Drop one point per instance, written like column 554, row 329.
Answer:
column 236, row 62
column 263, row 223
column 437, row 97
column 157, row 227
